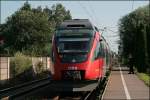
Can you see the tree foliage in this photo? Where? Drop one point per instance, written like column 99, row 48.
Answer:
column 135, row 35
column 58, row 14
column 29, row 30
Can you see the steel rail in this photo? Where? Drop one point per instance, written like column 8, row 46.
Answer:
column 23, row 88
column 99, row 91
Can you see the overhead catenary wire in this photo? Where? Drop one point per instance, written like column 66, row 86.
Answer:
column 87, row 12
column 93, row 18
column 109, row 38
column 132, row 5
column 112, row 36
column 93, row 11
column 112, row 30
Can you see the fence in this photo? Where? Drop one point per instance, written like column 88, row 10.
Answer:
column 5, row 65
column 4, row 68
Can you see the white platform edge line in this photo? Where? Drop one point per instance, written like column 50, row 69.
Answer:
column 125, row 86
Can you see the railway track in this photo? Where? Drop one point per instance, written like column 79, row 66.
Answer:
column 95, row 94
column 43, row 84
column 98, row 93
column 20, row 90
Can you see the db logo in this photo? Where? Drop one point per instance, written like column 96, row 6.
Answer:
column 72, row 68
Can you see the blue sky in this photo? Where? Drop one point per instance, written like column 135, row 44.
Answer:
column 101, row 13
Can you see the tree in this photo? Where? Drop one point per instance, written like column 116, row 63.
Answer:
column 1, row 39
column 27, row 30
column 26, row 6
column 59, row 14
column 30, row 30
column 134, row 34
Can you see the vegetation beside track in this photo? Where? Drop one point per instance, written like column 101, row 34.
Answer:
column 134, row 29
column 144, row 77
column 22, row 71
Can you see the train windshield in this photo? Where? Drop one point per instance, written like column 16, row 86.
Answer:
column 73, row 45
column 74, row 48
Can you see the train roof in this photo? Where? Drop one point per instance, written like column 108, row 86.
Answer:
column 76, row 23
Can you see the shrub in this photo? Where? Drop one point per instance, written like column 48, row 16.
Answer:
column 39, row 67
column 145, row 78
column 20, row 63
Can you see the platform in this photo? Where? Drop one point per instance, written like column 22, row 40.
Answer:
column 122, row 85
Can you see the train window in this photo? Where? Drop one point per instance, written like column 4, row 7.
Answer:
column 66, row 45
column 75, row 32
column 102, row 49
column 73, row 49
column 73, row 57
column 52, row 56
column 97, row 51
column 107, row 56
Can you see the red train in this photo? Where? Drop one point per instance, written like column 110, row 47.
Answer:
column 79, row 52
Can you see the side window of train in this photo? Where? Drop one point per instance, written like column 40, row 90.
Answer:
column 107, row 59
column 101, row 53
column 104, row 51
column 52, row 55
column 96, row 52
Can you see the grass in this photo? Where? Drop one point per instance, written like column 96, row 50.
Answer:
column 144, row 77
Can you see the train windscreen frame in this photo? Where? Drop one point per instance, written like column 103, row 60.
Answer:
column 74, row 45
column 75, row 32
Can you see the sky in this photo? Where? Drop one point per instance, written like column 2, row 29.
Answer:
column 103, row 14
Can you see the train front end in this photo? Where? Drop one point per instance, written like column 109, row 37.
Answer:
column 73, row 47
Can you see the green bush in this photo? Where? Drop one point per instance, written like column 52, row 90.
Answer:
column 39, row 67
column 20, row 63
column 145, row 78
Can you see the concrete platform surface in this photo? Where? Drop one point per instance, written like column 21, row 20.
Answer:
column 124, row 86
